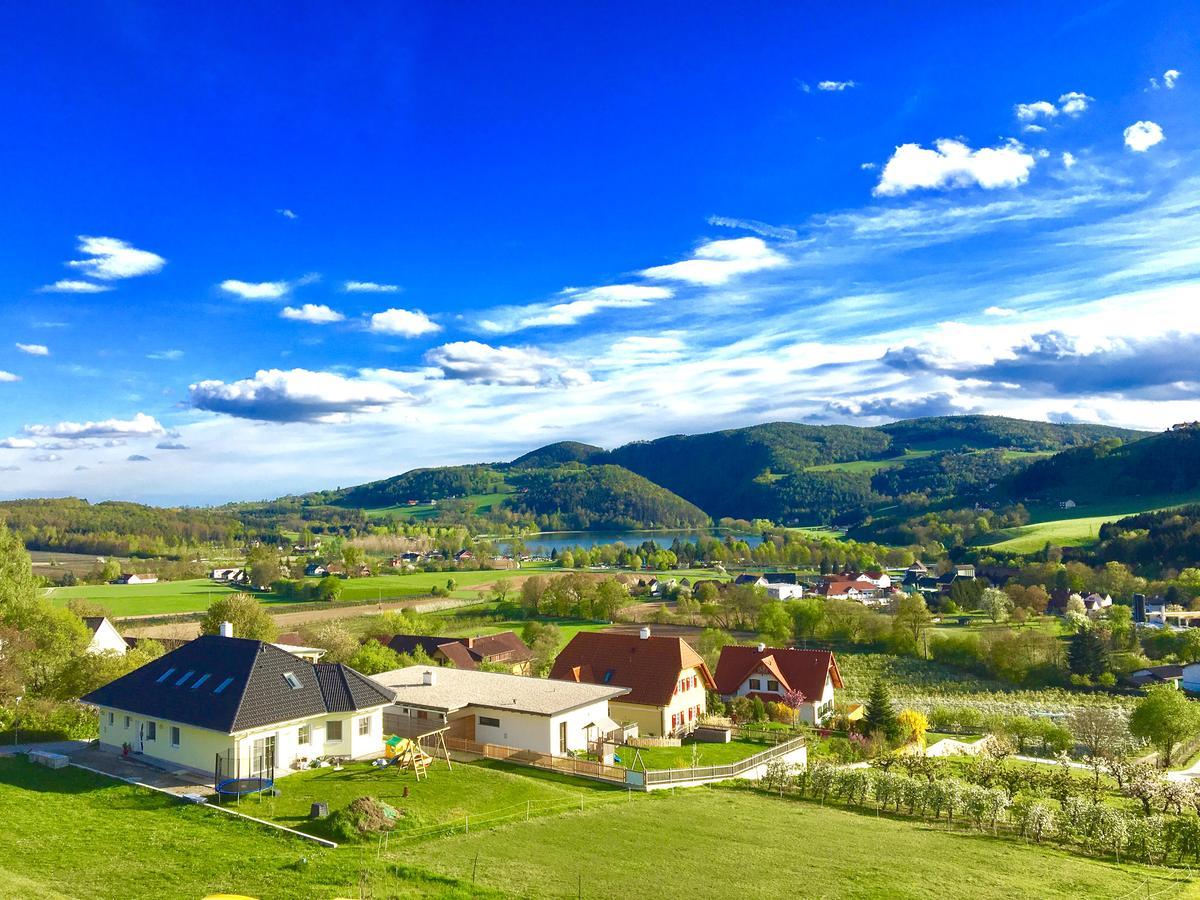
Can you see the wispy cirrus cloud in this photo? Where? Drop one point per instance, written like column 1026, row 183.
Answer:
column 480, row 363
column 369, row 287
column 34, row 349
column 718, row 262
column 72, row 286
column 576, row 304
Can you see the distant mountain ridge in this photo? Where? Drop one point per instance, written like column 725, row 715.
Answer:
column 784, row 471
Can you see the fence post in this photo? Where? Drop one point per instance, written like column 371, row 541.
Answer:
column 467, row 819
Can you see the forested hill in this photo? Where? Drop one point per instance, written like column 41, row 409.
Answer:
column 784, row 471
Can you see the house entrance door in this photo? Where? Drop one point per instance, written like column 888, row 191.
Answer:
column 262, row 757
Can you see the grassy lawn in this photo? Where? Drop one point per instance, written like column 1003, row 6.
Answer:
column 193, row 595
column 681, row 757
column 478, row 790
column 483, row 503
column 709, row 843
column 73, row 834
column 870, row 466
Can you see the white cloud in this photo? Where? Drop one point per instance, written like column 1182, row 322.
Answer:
column 1000, row 311
column 13, row 443
column 1028, row 112
column 954, row 164
column 403, row 322
column 580, row 304
column 141, row 425
column 1170, row 77
column 316, row 314
column 46, row 457
column 1141, row 136
column 168, row 355
column 298, row 395
column 8, row 377
column 256, row 290
column 369, row 287
column 34, row 349
column 476, row 362
column 716, row 262
column 287, row 213
column 1068, row 159
column 781, row 232
column 835, row 85
column 867, row 166
column 69, row 286
column 639, row 350
column 113, row 259
column 1074, row 103
column 1033, row 129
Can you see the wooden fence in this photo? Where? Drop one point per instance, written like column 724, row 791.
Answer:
column 567, row 765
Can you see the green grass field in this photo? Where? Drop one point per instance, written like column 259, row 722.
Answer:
column 193, row 595
column 870, row 466
column 681, row 757
column 483, row 503
column 706, row 842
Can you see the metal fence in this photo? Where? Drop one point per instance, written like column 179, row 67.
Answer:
column 729, row 770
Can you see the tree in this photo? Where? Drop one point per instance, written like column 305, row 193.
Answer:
column 1103, row 734
column 543, row 639
column 248, row 617
column 808, row 615
column 373, row 657
column 912, row 618
column 352, row 557
column 329, row 588
column 710, row 644
column 1087, row 653
column 1164, row 717
column 880, row 717
column 263, row 566
column 339, row 644
column 775, row 624
column 996, row 604
column 111, row 570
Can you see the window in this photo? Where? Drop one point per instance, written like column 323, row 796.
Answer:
column 304, row 735
column 224, row 684
column 608, row 676
column 292, row 680
column 773, row 687
column 152, row 731
column 755, row 684
column 562, row 737
column 165, row 675
column 186, row 675
column 127, row 721
column 174, row 736
column 489, row 721
column 333, row 732
column 199, row 681
column 364, row 726
column 110, row 719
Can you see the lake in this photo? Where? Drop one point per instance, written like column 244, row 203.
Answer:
column 564, row 540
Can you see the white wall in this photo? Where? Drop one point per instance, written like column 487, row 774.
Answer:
column 1191, row 677
column 528, row 731
column 107, row 640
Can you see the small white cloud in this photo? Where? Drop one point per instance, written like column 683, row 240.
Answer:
column 836, row 85
column 403, row 322
column 34, row 349
column 1068, row 159
column 1170, row 77
column 14, row 443
column 867, row 166
column 999, row 311
column 952, row 165
column 69, row 286
column 369, row 287
column 716, row 262
column 1141, row 136
column 804, row 86
column 8, row 377
column 170, row 445
column 256, row 290
column 1033, row 129
column 169, row 355
column 140, row 425
column 480, row 363
column 313, row 313
column 1074, row 103
column 113, row 259
column 287, row 213
column 1028, row 112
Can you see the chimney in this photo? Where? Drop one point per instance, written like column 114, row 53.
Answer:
column 470, row 642
column 226, row 629
column 429, row 677
column 644, row 634
column 762, row 647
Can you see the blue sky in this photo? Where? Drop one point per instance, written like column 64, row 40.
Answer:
column 249, row 254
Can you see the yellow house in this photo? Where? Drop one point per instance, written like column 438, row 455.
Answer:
column 668, row 681
column 241, row 709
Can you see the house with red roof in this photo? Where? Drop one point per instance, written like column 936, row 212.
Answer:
column 770, row 672
column 668, row 681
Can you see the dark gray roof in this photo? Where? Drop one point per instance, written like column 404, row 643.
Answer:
column 780, row 577
column 257, row 692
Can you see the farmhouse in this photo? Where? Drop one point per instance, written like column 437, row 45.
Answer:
column 667, row 679
column 1152, row 675
column 784, row 591
column 229, row 576
column 770, row 673
column 505, row 649
column 537, row 714
column 105, row 638
column 134, row 578
column 255, row 706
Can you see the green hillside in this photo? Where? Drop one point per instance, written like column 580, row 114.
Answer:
column 556, row 454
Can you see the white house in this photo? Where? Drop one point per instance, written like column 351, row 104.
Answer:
column 241, row 707
column 540, row 714
column 1191, row 677
column 136, row 578
column 785, row 591
column 770, row 673
column 105, row 637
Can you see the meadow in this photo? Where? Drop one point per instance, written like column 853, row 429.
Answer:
column 193, row 595
column 71, row 833
column 481, row 503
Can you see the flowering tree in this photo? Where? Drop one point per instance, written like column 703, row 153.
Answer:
column 792, row 698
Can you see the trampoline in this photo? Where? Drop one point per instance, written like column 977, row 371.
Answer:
column 239, row 787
